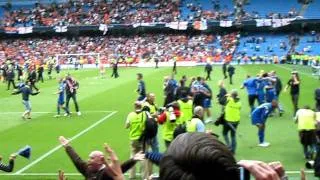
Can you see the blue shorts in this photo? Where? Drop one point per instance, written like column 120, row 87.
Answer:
column 271, row 95
column 256, row 121
column 261, row 98
column 141, row 98
column 206, row 103
column 60, row 101
column 27, row 105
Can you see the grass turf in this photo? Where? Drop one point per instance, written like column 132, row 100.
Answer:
column 96, row 94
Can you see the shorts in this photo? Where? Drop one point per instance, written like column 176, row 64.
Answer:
column 270, row 95
column 252, row 98
column 60, row 101
column 308, row 137
column 206, row 103
column 27, row 105
column 141, row 98
column 256, row 121
column 261, row 98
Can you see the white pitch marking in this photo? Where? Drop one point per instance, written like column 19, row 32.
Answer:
column 55, row 112
column 59, row 146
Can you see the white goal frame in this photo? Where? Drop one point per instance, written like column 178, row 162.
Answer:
column 68, row 66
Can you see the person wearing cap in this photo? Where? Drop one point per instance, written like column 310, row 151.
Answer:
column 10, row 166
column 141, row 88
column 294, row 84
column 136, row 123
column 232, row 117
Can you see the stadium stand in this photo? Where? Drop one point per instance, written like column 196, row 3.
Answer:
column 312, row 10
column 264, row 45
column 266, row 9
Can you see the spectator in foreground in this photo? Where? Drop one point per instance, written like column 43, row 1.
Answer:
column 232, row 117
column 10, row 166
column 136, row 124
column 97, row 167
column 306, row 120
column 196, row 156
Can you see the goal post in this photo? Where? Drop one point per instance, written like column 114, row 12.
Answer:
column 78, row 60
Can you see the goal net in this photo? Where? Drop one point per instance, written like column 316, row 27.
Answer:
column 78, row 60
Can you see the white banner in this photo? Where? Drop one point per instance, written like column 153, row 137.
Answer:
column 281, row 22
column 200, row 25
column 225, row 23
column 144, row 24
column 24, row 30
column 104, row 28
column 179, row 25
column 60, row 29
column 263, row 22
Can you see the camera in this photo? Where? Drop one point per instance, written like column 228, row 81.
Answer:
column 220, row 120
column 244, row 174
column 172, row 116
column 310, row 164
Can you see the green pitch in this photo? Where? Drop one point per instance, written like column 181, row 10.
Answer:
column 105, row 103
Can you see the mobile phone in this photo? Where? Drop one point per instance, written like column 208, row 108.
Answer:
column 244, row 174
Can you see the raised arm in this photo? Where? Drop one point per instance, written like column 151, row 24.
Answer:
column 77, row 161
column 10, row 166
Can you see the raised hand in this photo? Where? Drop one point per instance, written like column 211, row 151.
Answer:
column 63, row 141
column 113, row 167
column 260, row 170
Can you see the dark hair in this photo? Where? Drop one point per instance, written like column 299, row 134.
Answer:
column 182, row 82
column 197, row 156
column 139, row 75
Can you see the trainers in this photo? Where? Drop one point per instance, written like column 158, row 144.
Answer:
column 57, row 115
column 264, row 144
column 66, row 114
column 79, row 113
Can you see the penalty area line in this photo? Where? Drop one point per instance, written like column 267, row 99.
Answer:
column 59, row 146
column 44, row 112
column 78, row 174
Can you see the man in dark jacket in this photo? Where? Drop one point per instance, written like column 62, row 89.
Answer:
column 224, row 70
column 115, row 69
column 10, row 78
column 96, row 168
column 40, row 73
column 9, row 167
column 231, row 71
column 222, row 99
column 208, row 69
column 32, row 78
column 71, row 92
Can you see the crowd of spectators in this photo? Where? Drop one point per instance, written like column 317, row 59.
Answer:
column 90, row 12
column 216, row 13
column 130, row 48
